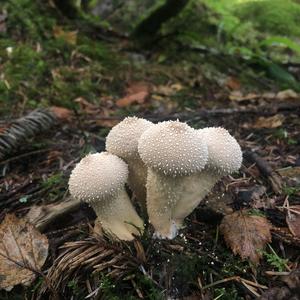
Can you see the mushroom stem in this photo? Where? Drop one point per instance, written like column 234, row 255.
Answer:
column 99, row 179
column 137, row 180
column 118, row 217
column 195, row 188
column 171, row 199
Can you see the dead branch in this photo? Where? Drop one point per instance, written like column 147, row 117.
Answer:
column 44, row 215
column 265, row 169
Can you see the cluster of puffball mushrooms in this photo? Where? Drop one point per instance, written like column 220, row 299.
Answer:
column 169, row 167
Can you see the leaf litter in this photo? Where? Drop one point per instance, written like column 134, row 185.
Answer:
column 246, row 234
column 23, row 252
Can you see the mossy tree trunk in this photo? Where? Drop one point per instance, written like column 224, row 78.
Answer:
column 147, row 29
column 69, row 8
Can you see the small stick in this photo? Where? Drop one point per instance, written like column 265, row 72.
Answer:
column 43, row 216
column 266, row 170
column 273, row 273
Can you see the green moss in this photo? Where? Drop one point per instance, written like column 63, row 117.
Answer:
column 29, row 19
column 273, row 16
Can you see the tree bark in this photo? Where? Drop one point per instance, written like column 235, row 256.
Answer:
column 149, row 27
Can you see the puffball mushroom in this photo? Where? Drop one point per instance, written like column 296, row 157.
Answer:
column 224, row 157
column 174, row 154
column 122, row 141
column 99, row 180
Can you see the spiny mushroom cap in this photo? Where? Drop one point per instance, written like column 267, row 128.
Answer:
column 98, row 176
column 173, row 148
column 224, row 152
column 122, row 140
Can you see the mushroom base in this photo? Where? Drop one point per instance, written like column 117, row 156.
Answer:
column 171, row 199
column 118, row 217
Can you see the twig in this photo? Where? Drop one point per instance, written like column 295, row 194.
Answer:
column 266, row 110
column 235, row 278
column 4, row 162
column 266, row 170
column 43, row 216
column 273, row 273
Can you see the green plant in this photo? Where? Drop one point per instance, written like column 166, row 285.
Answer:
column 280, row 264
column 76, row 291
column 256, row 212
column 290, row 190
column 228, row 293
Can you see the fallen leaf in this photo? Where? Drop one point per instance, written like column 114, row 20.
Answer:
column 287, row 94
column 136, row 87
column 86, row 106
column 251, row 194
column 136, row 92
column 246, row 234
column 233, row 83
column 168, row 90
column 290, row 290
column 292, row 172
column 268, row 95
column 293, row 220
column 97, row 229
column 139, row 97
column 68, row 36
column 62, row 113
column 269, row 122
column 238, row 96
column 23, row 250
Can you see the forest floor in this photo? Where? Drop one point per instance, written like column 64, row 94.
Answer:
column 90, row 82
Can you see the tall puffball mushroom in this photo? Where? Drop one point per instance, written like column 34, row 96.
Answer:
column 99, row 179
column 224, row 157
column 122, row 141
column 174, row 154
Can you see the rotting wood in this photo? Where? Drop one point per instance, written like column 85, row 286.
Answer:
column 44, row 215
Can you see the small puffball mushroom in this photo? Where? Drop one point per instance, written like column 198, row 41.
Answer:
column 122, row 141
column 99, row 179
column 224, row 153
column 174, row 154
column 224, row 158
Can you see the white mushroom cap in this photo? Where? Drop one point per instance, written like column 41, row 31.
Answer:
column 173, row 148
column 97, row 177
column 224, row 152
column 122, row 140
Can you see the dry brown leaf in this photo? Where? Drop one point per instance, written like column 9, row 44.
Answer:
column 136, row 87
column 292, row 172
column 270, row 122
column 97, row 229
column 293, row 220
column 238, row 96
column 139, row 97
column 287, row 94
column 233, row 83
column 62, row 113
column 22, row 250
column 246, row 234
column 168, row 90
column 69, row 36
column 136, row 92
column 86, row 106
